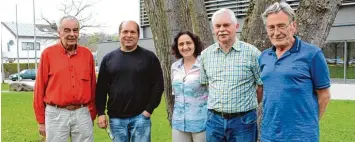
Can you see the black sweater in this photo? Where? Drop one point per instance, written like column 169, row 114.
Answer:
column 132, row 80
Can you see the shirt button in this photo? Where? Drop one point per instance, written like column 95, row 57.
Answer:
column 73, row 86
column 72, row 76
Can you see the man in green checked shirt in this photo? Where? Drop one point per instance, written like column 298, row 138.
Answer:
column 230, row 68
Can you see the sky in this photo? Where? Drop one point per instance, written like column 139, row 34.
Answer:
column 109, row 13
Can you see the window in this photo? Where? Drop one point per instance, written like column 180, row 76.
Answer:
column 29, row 46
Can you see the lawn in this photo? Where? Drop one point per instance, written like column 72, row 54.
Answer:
column 4, row 86
column 18, row 122
column 338, row 72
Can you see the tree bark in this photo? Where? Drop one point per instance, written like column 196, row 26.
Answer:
column 167, row 18
column 158, row 20
column 254, row 31
column 200, row 24
column 315, row 18
column 179, row 16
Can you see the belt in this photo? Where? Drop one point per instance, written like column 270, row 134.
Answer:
column 230, row 115
column 69, row 107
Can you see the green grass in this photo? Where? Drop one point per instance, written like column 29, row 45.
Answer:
column 19, row 124
column 338, row 72
column 338, row 123
column 18, row 121
column 4, row 86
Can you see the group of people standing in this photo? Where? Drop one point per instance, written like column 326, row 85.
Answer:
column 216, row 90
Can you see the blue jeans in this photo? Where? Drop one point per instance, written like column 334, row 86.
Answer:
column 132, row 129
column 236, row 129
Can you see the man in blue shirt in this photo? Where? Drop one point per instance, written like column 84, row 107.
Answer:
column 296, row 81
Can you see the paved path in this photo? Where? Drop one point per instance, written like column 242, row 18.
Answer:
column 343, row 91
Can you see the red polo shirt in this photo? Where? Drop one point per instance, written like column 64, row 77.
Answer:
column 64, row 79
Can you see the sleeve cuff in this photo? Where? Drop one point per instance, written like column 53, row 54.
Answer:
column 100, row 113
column 40, row 119
column 149, row 109
column 323, row 86
column 259, row 82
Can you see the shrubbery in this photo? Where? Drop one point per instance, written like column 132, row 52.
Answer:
column 11, row 68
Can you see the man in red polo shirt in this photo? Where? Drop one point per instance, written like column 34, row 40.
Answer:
column 64, row 93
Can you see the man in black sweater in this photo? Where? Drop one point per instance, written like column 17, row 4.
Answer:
column 132, row 79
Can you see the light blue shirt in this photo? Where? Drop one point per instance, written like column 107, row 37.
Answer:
column 190, row 108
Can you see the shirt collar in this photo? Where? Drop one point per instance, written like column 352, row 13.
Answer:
column 235, row 46
column 196, row 64
column 295, row 47
column 64, row 51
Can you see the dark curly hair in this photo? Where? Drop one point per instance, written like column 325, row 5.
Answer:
column 197, row 42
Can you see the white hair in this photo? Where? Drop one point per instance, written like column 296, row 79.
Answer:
column 223, row 11
column 68, row 17
column 277, row 7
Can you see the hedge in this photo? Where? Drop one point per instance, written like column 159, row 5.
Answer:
column 11, row 68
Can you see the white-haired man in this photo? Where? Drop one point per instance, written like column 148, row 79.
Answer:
column 296, row 81
column 64, row 93
column 230, row 68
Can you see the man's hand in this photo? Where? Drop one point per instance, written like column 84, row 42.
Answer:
column 146, row 114
column 102, row 121
column 42, row 129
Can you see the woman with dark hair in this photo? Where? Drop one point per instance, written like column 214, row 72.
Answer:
column 190, row 107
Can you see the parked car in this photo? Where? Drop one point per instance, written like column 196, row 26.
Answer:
column 334, row 61
column 352, row 61
column 24, row 74
column 331, row 61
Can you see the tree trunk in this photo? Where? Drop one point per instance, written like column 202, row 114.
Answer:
column 200, row 24
column 179, row 16
column 254, row 31
column 166, row 19
column 315, row 18
column 336, row 50
column 347, row 56
column 159, row 24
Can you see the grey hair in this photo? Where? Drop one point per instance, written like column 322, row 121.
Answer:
column 277, row 7
column 222, row 11
column 68, row 17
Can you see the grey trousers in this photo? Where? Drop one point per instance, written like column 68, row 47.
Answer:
column 180, row 136
column 62, row 124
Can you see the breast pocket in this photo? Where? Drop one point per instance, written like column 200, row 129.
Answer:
column 85, row 81
column 240, row 70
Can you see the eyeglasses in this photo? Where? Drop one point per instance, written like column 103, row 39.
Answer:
column 109, row 133
column 280, row 27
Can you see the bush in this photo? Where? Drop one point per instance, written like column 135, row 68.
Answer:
column 11, row 68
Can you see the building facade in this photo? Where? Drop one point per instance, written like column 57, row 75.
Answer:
column 45, row 36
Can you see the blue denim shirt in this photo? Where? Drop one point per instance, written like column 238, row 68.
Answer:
column 290, row 104
column 190, row 108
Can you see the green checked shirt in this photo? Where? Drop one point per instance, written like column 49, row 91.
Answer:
column 231, row 77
